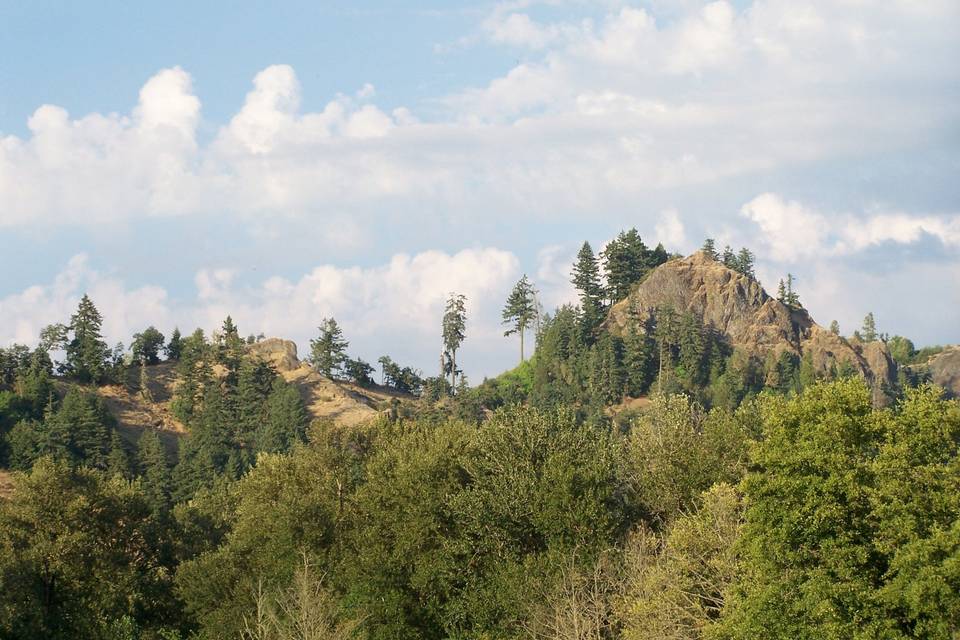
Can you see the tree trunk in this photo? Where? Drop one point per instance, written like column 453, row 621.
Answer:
column 521, row 346
column 453, row 373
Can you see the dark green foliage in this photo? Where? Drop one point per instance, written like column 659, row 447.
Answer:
column 626, row 260
column 147, row 345
column 118, row 460
column 403, row 379
column 786, row 294
column 358, row 371
column 154, row 471
column 328, row 352
column 606, row 374
column 453, row 330
column 710, row 248
column 586, row 278
column 175, row 345
column 639, row 357
column 87, row 354
column 286, row 419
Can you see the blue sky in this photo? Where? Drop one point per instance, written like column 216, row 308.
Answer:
column 283, row 162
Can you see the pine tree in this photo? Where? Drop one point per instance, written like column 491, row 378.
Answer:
column 657, row 257
column 729, row 259
column 710, row 249
column 87, row 353
column 118, row 462
column 745, row 262
column 286, row 419
column 328, row 352
column 520, row 309
column 77, row 432
column 175, row 346
column 153, row 467
column 639, row 358
column 626, row 259
column 254, row 385
column 454, row 330
column 230, row 349
column 868, row 332
column 586, row 278
column 835, row 328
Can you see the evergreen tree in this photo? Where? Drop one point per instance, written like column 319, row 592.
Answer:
column 230, row 349
column 745, row 262
column 254, row 385
column 710, row 248
column 606, row 376
column 868, row 332
column 835, row 327
column 87, row 353
column 786, row 294
column 657, row 257
column 626, row 259
column 729, row 258
column 586, row 278
column 639, row 358
column 454, row 330
column 155, row 472
column 118, row 462
column 328, row 352
column 175, row 346
column 286, row 419
column 358, row 371
column 78, row 431
column 520, row 309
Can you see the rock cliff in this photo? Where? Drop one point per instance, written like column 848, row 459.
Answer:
column 738, row 308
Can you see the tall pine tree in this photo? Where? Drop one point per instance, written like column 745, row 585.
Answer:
column 520, row 310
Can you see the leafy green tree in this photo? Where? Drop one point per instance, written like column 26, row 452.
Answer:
column 358, row 371
column 147, row 345
column 520, row 310
column 328, row 352
column 87, row 354
column 76, row 555
column 454, row 328
column 901, row 350
column 586, row 278
column 626, row 259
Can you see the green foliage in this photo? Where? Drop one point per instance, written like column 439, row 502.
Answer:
column 626, row 259
column 147, row 345
column 328, row 352
column 586, row 278
column 358, row 371
column 520, row 309
column 75, row 555
column 453, row 330
column 286, row 419
column 868, row 333
column 87, row 353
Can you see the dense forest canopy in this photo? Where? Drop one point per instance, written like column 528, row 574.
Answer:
column 641, row 475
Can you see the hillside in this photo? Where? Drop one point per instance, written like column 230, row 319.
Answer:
column 739, row 309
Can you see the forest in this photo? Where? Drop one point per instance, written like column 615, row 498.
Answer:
column 648, row 479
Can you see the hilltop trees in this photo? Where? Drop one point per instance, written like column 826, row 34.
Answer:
column 586, row 278
column 786, row 294
column 454, row 328
column 147, row 345
column 626, row 260
column 87, row 353
column 328, row 352
column 520, row 310
column 868, row 333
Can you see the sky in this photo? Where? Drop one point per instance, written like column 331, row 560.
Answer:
column 284, row 162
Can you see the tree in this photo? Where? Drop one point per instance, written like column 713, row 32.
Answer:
column 286, row 419
column 147, row 345
column 869, row 330
column 175, row 346
column 358, row 371
column 586, row 278
column 835, row 327
column 454, row 330
column 745, row 263
column 729, row 258
column 520, row 310
column 87, row 353
column 328, row 352
column 786, row 294
column 710, row 249
column 155, row 472
column 118, row 462
column 626, row 259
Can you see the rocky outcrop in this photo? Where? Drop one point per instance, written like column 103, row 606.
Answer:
column 944, row 370
column 282, row 354
column 737, row 307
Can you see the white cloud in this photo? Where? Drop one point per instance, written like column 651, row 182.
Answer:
column 669, row 230
column 789, row 230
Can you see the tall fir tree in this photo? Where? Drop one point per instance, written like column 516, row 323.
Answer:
column 286, row 419
column 710, row 249
column 868, row 333
column 155, row 472
column 175, row 345
column 87, row 354
column 745, row 261
column 328, row 351
column 118, row 461
column 586, row 278
column 625, row 259
column 454, row 327
column 520, row 310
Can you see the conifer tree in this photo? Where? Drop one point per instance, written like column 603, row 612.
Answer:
column 729, row 258
column 626, row 260
column 118, row 462
column 286, row 419
column 254, row 384
column 639, row 358
column 520, row 310
column 657, row 257
column 710, row 248
column 328, row 352
column 153, row 468
column 745, row 262
column 454, row 330
column 175, row 346
column 868, row 332
column 87, row 353
column 835, row 327
column 586, row 278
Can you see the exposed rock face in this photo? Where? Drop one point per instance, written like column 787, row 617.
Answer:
column 282, row 354
column 737, row 307
column 944, row 370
